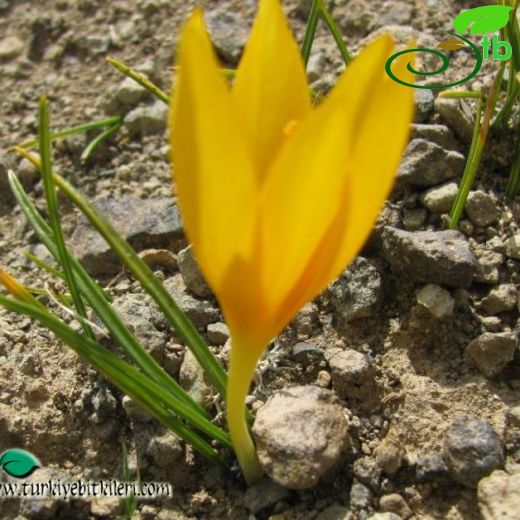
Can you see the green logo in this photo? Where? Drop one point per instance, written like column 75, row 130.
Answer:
column 18, row 463
column 488, row 18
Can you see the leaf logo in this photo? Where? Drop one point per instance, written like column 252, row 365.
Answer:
column 18, row 463
column 451, row 45
column 488, row 18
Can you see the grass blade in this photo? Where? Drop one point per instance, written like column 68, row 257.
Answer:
column 52, row 206
column 336, row 34
column 44, row 265
column 97, row 300
column 478, row 142
column 86, row 127
column 310, row 31
column 139, row 78
column 103, row 136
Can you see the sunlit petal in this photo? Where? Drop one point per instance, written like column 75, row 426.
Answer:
column 211, row 166
column 270, row 90
column 306, row 185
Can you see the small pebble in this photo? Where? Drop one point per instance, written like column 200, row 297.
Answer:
column 472, row 450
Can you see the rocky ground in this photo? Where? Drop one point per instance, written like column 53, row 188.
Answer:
column 408, row 363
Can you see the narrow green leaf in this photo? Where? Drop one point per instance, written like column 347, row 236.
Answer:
column 52, row 206
column 336, row 33
column 44, row 265
column 456, row 94
column 139, row 78
column 310, row 31
column 103, row 136
column 478, row 142
column 86, row 127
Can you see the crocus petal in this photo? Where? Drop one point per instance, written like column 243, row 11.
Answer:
column 376, row 153
column 213, row 172
column 306, row 184
column 270, row 89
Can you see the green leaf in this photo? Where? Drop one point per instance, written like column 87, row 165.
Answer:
column 44, row 141
column 488, row 18
column 18, row 463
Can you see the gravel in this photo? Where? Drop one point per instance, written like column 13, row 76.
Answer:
column 502, row 298
column 457, row 115
column 492, row 352
column 148, row 119
column 481, row 208
column 229, row 33
column 10, row 47
column 361, row 496
column 357, row 293
column 191, row 274
column 513, row 246
column 368, row 472
column 440, row 198
column 437, row 300
column 472, row 450
column 193, row 380
column 389, row 454
column 352, row 373
column 218, row 333
column 263, row 495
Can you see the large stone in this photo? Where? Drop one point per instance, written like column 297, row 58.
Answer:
column 499, row 496
column 300, row 433
column 144, row 223
column 492, row 352
column 472, row 450
column 427, row 164
column 357, row 292
column 441, row 257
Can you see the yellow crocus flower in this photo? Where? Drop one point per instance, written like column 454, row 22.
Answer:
column 278, row 196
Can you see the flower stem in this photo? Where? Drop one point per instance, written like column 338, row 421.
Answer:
column 242, row 368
